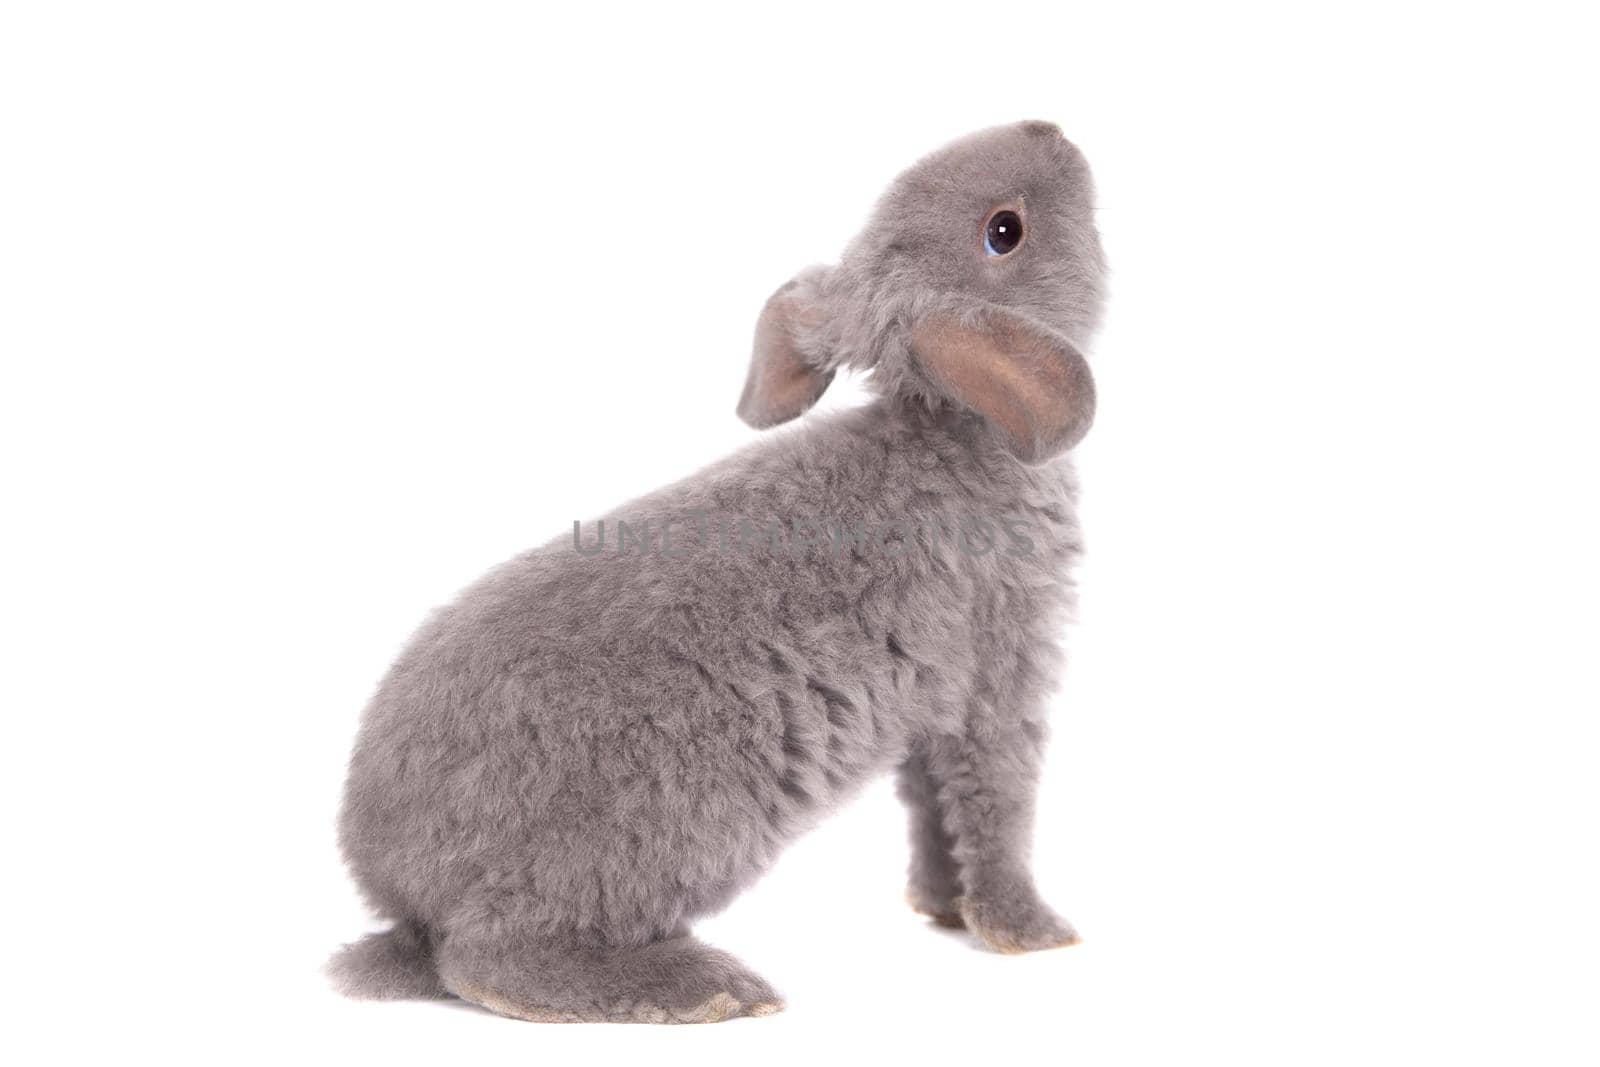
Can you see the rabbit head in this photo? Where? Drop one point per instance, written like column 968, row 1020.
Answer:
column 972, row 286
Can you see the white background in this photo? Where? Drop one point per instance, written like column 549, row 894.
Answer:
column 310, row 313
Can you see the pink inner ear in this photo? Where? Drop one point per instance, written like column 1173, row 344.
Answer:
column 1031, row 385
column 781, row 384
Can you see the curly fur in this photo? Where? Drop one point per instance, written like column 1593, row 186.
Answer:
column 584, row 753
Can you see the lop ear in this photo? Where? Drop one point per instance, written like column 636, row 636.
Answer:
column 783, row 382
column 1026, row 380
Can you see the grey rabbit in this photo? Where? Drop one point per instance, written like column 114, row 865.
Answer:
column 607, row 737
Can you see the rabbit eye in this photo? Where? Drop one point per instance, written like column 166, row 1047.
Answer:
column 1002, row 234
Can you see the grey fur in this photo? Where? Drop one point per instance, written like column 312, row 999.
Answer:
column 584, row 753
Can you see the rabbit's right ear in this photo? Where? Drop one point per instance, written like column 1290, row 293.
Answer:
column 783, row 381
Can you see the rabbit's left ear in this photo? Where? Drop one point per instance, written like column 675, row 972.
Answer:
column 1026, row 380
column 783, row 382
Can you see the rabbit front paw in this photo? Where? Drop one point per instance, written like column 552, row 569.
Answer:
column 1016, row 922
column 942, row 908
